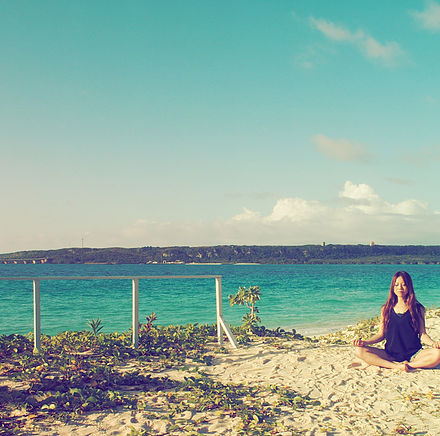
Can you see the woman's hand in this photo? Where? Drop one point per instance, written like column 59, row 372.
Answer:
column 436, row 344
column 359, row 343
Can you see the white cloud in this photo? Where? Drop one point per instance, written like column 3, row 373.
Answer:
column 247, row 215
column 360, row 216
column 296, row 209
column 388, row 53
column 361, row 192
column 429, row 18
column 331, row 30
column 341, row 149
column 410, row 207
column 363, row 198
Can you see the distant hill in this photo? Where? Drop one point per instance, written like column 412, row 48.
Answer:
column 229, row 254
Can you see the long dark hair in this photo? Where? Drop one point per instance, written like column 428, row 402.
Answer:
column 414, row 307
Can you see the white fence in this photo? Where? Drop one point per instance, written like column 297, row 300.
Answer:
column 222, row 326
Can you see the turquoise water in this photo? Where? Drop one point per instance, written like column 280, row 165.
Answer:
column 309, row 298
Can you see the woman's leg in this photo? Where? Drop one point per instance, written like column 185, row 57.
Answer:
column 379, row 357
column 429, row 358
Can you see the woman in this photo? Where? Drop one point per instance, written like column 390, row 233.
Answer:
column 402, row 324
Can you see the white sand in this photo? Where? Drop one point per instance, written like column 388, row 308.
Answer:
column 355, row 398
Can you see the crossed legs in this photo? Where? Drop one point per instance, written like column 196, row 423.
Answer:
column 379, row 357
column 429, row 358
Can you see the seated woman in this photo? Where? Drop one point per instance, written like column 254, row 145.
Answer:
column 402, row 325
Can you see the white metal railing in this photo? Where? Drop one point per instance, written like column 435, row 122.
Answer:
column 222, row 326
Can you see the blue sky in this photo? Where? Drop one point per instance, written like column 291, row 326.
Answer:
column 203, row 122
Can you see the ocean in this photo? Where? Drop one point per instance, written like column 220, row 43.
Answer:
column 311, row 299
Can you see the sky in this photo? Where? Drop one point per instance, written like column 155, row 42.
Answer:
column 162, row 123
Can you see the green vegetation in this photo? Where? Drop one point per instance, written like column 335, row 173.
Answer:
column 96, row 326
column 304, row 254
column 81, row 372
column 248, row 297
column 362, row 329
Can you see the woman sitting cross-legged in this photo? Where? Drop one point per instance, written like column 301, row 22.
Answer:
column 402, row 325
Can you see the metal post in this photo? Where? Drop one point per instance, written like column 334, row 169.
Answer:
column 228, row 332
column 135, row 311
column 218, row 296
column 37, row 324
column 222, row 326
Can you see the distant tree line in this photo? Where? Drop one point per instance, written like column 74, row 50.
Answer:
column 267, row 254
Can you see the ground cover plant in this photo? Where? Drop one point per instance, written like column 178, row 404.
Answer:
column 250, row 322
column 80, row 372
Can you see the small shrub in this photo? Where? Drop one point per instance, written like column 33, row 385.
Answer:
column 249, row 297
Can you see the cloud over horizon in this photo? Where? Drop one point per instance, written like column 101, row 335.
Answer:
column 363, row 198
column 357, row 215
column 361, row 215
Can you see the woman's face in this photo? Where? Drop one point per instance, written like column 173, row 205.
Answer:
column 400, row 288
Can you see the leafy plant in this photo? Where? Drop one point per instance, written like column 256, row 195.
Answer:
column 291, row 398
column 404, row 429
column 249, row 297
column 96, row 326
column 146, row 328
column 66, row 379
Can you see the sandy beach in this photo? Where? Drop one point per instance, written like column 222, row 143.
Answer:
column 335, row 393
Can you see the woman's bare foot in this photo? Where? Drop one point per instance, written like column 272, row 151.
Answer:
column 403, row 366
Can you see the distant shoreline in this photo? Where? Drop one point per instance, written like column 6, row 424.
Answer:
column 235, row 255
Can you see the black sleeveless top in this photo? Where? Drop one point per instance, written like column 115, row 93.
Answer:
column 402, row 340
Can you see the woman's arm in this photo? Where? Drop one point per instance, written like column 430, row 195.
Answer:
column 424, row 337
column 378, row 337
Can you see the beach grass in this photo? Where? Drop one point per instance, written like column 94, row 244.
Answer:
column 81, row 372
column 179, row 381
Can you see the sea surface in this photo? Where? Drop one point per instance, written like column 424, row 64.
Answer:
column 311, row 299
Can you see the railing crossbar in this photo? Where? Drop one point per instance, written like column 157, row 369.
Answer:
column 109, row 277
column 222, row 326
